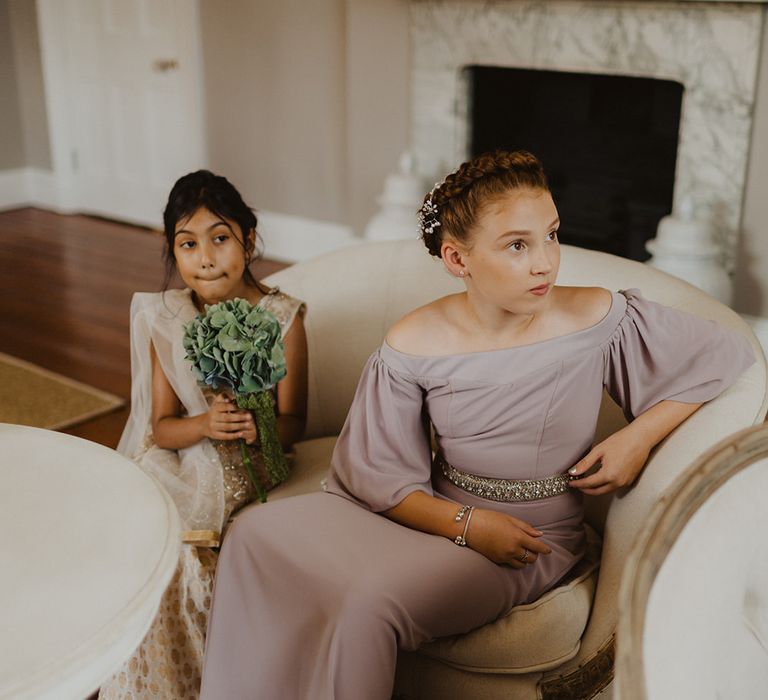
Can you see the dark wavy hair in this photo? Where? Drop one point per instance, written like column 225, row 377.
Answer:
column 219, row 196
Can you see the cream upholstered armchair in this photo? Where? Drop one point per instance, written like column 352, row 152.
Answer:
column 561, row 646
column 693, row 603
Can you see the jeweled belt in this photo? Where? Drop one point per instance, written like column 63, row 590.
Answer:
column 507, row 490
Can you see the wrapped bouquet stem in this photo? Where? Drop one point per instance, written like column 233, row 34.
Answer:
column 237, row 348
column 261, row 406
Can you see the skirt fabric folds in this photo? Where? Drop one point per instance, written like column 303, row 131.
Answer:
column 305, row 607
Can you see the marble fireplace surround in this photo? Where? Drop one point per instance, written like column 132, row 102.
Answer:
column 712, row 48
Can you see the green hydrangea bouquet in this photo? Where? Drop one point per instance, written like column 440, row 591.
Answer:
column 236, row 347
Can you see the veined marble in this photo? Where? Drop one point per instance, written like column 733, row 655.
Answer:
column 712, row 49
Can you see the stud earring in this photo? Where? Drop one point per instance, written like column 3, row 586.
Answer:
column 461, row 273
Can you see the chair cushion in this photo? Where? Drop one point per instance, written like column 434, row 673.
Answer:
column 533, row 637
column 309, row 467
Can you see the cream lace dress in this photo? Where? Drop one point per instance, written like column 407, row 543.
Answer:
column 209, row 484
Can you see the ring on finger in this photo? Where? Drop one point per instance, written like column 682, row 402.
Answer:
column 525, row 556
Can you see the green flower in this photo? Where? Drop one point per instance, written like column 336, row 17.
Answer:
column 237, row 346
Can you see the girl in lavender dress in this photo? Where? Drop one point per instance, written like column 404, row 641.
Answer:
column 314, row 594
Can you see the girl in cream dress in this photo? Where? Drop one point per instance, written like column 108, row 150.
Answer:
column 185, row 436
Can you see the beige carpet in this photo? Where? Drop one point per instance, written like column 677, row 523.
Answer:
column 31, row 395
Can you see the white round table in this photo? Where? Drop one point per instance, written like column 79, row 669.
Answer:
column 89, row 543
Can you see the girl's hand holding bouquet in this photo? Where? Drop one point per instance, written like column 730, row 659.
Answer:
column 225, row 421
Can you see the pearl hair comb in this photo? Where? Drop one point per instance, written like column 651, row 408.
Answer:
column 428, row 220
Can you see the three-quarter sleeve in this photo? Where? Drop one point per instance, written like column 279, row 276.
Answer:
column 657, row 353
column 383, row 452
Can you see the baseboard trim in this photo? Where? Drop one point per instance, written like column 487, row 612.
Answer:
column 13, row 188
column 286, row 238
column 30, row 187
column 44, row 190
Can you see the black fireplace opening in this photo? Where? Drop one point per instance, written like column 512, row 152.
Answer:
column 608, row 144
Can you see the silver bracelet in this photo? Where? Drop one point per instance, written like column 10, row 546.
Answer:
column 461, row 539
column 462, row 512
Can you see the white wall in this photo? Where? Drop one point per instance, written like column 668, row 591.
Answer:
column 29, row 73
column 307, row 104
column 751, row 274
column 275, row 102
column 23, row 124
column 11, row 136
column 378, row 100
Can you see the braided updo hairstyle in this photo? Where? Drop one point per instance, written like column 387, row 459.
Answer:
column 453, row 207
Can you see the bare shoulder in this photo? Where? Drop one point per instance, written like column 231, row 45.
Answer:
column 585, row 306
column 422, row 331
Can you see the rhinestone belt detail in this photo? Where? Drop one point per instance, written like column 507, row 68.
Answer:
column 506, row 490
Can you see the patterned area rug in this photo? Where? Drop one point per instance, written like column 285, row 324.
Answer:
column 31, row 395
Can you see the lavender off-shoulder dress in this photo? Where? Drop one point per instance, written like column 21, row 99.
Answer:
column 315, row 593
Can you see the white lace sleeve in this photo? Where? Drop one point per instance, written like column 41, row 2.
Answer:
column 284, row 307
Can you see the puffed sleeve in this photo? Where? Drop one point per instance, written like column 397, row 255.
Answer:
column 383, row 452
column 657, row 353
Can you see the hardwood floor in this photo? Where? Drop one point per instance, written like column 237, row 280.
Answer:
column 65, row 291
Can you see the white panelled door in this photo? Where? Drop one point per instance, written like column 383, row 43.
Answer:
column 127, row 99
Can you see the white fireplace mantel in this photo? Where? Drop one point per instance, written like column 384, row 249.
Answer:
column 712, row 48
